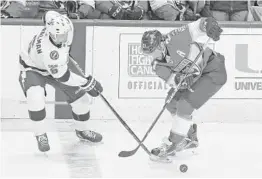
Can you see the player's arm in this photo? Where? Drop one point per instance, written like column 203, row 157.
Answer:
column 204, row 28
column 63, row 74
column 171, row 78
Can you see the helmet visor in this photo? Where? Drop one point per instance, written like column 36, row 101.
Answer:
column 61, row 38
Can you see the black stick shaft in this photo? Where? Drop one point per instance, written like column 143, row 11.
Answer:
column 125, row 125
column 114, row 111
column 133, row 5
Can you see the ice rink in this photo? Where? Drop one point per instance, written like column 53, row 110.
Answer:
column 226, row 150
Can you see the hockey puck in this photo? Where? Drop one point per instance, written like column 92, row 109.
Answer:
column 183, row 168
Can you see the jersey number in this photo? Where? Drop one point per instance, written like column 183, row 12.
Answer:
column 53, row 69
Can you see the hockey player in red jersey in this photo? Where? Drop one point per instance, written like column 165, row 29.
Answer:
column 173, row 54
column 45, row 61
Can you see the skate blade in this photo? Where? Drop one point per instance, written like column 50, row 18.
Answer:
column 161, row 159
column 90, row 142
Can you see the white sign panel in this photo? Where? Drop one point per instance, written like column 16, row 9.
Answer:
column 244, row 66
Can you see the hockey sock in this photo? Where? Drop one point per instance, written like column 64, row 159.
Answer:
column 81, row 121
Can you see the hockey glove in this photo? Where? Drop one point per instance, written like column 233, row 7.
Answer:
column 213, row 30
column 136, row 14
column 117, row 12
column 185, row 83
column 92, row 87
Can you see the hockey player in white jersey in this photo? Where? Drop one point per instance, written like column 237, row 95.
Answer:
column 45, row 61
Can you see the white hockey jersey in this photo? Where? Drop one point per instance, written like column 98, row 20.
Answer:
column 42, row 56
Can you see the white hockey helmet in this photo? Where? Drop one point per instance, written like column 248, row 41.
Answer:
column 58, row 29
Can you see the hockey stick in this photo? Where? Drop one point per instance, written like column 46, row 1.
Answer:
column 132, row 152
column 113, row 110
column 133, row 5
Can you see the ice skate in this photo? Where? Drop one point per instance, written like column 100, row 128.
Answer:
column 164, row 152
column 185, row 143
column 168, row 150
column 42, row 141
column 192, row 136
column 89, row 136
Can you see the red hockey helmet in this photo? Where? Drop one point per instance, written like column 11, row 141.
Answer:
column 150, row 41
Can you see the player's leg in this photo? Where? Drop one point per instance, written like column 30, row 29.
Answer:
column 183, row 133
column 213, row 78
column 81, row 115
column 80, row 102
column 182, row 128
column 33, row 85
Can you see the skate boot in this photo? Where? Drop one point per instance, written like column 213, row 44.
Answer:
column 89, row 136
column 42, row 141
column 183, row 143
column 192, row 136
column 163, row 153
column 175, row 143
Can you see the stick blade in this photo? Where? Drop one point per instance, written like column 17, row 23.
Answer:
column 126, row 153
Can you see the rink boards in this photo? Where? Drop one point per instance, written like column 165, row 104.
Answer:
column 110, row 50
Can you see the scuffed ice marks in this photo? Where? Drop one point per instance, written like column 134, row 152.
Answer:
column 80, row 157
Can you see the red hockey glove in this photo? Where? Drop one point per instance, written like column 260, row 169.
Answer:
column 213, row 30
column 186, row 83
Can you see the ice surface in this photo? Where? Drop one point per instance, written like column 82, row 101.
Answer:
column 226, row 150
